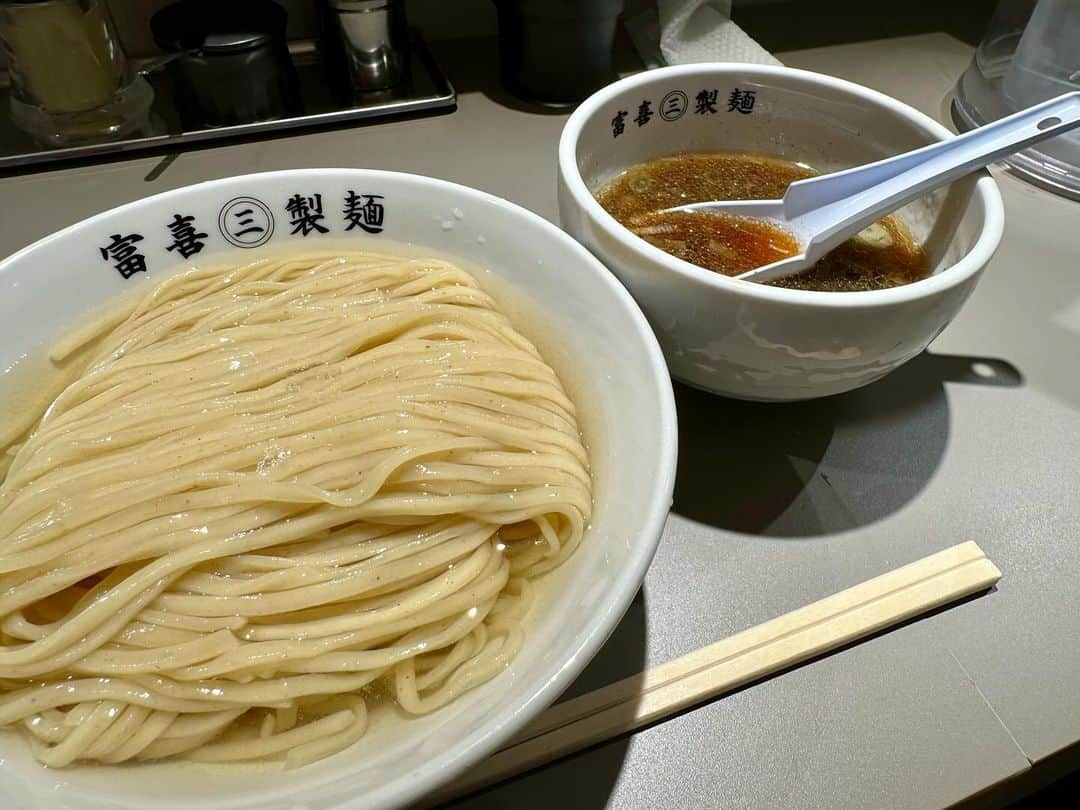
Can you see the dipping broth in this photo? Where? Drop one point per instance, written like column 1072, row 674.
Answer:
column 883, row 255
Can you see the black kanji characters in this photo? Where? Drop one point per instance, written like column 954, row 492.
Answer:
column 644, row 113
column 186, row 240
column 618, row 123
column 741, row 101
column 705, row 102
column 363, row 211
column 126, row 258
column 305, row 214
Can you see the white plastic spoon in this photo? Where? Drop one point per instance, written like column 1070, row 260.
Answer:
column 823, row 212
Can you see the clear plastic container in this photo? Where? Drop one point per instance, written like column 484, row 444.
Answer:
column 1029, row 54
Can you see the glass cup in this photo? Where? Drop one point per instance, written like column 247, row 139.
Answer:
column 70, row 80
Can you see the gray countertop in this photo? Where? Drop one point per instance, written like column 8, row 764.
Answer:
column 779, row 505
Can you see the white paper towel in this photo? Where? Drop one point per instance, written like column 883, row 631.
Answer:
column 702, row 31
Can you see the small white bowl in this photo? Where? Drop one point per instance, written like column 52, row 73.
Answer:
column 586, row 325
column 749, row 340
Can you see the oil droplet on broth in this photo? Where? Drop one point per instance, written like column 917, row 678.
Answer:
column 883, row 255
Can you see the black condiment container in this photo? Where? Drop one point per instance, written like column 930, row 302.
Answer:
column 231, row 63
column 556, row 52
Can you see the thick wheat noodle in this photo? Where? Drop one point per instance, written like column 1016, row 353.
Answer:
column 263, row 496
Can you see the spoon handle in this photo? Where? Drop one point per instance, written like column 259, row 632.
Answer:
column 835, row 207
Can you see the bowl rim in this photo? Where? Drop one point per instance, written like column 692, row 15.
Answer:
column 986, row 192
column 436, row 772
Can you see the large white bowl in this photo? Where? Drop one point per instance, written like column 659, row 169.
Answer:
column 751, row 340
column 589, row 329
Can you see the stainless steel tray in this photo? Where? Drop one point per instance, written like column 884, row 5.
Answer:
column 425, row 89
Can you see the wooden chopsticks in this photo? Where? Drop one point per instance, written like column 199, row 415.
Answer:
column 777, row 644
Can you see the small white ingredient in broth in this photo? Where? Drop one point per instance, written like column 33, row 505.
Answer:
column 877, row 235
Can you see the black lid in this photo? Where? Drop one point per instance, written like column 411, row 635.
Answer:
column 217, row 25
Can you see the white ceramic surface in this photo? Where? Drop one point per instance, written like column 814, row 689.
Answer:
column 585, row 323
column 750, row 340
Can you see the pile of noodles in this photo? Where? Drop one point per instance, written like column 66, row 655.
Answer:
column 269, row 494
